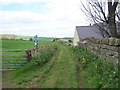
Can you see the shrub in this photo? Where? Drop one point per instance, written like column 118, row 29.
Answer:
column 21, row 39
column 45, row 55
column 5, row 38
column 55, row 39
column 30, row 39
column 70, row 41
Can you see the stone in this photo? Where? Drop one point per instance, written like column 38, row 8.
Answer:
column 105, row 41
column 112, row 41
column 117, row 42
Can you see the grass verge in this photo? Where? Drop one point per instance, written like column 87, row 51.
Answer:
column 96, row 72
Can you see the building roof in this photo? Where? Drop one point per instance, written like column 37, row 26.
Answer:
column 87, row 31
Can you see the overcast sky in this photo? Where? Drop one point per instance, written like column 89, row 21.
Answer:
column 46, row 18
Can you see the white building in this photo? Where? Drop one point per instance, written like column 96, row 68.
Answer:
column 83, row 32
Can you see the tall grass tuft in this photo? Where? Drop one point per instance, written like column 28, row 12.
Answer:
column 45, row 55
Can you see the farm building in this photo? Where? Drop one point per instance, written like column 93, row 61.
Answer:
column 83, row 32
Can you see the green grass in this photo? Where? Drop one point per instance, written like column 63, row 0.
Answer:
column 34, row 68
column 54, row 67
column 15, row 57
column 0, row 44
column 14, row 44
column 24, row 37
column 28, row 37
column 96, row 72
column 22, row 45
column 63, row 75
column 38, row 73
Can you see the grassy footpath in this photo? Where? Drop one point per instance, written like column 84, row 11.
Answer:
column 60, row 66
column 63, row 74
column 53, row 68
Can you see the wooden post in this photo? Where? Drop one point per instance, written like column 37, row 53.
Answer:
column 36, row 47
column 28, row 55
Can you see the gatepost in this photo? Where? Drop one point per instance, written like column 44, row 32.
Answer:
column 28, row 55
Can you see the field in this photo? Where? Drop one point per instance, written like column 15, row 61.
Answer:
column 28, row 37
column 51, row 63
column 12, row 44
column 59, row 66
column 17, row 44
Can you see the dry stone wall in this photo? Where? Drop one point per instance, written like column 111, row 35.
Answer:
column 107, row 48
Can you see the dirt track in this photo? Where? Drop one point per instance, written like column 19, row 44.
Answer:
column 79, row 78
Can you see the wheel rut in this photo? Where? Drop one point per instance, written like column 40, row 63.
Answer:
column 78, row 72
column 51, row 67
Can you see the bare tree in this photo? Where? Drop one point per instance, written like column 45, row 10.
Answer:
column 103, row 14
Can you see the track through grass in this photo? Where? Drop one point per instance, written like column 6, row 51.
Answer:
column 58, row 72
column 63, row 75
column 60, row 66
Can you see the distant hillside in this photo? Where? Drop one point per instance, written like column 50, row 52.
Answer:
column 13, row 36
column 23, row 37
column 8, row 36
column 40, row 38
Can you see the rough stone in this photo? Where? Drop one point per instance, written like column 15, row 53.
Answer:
column 112, row 41
column 105, row 41
column 107, row 48
column 117, row 42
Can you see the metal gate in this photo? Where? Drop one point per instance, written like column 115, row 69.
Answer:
column 13, row 59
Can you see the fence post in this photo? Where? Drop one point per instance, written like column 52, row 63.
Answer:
column 36, row 47
column 28, row 55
